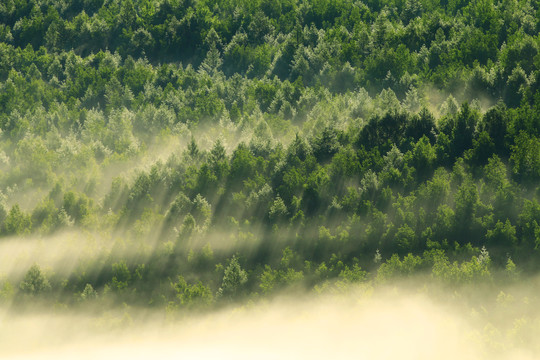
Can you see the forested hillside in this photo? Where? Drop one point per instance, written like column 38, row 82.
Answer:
column 205, row 152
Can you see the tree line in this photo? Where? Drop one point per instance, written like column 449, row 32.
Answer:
column 319, row 144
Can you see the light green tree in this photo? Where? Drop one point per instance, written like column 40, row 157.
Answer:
column 34, row 282
column 234, row 278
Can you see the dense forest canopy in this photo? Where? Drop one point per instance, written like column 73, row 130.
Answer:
column 205, row 152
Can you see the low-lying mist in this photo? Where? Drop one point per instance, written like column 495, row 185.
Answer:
column 364, row 322
column 415, row 317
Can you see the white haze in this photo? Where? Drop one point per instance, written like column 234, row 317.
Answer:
column 385, row 323
column 389, row 324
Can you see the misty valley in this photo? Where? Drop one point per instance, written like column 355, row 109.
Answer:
column 270, row 179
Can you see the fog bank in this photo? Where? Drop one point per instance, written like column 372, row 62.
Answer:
column 387, row 325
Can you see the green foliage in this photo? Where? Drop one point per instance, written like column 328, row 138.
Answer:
column 271, row 280
column 290, row 125
column 189, row 296
column 475, row 270
column 6, row 291
column 395, row 267
column 354, row 274
column 77, row 206
column 34, row 282
column 278, row 210
column 121, row 276
column 423, row 158
column 89, row 293
column 284, row 276
column 234, row 278
column 525, row 158
column 502, row 235
column 17, row 222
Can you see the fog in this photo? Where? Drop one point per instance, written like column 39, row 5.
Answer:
column 58, row 254
column 384, row 323
column 409, row 319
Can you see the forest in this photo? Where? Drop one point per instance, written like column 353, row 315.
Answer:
column 186, row 156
